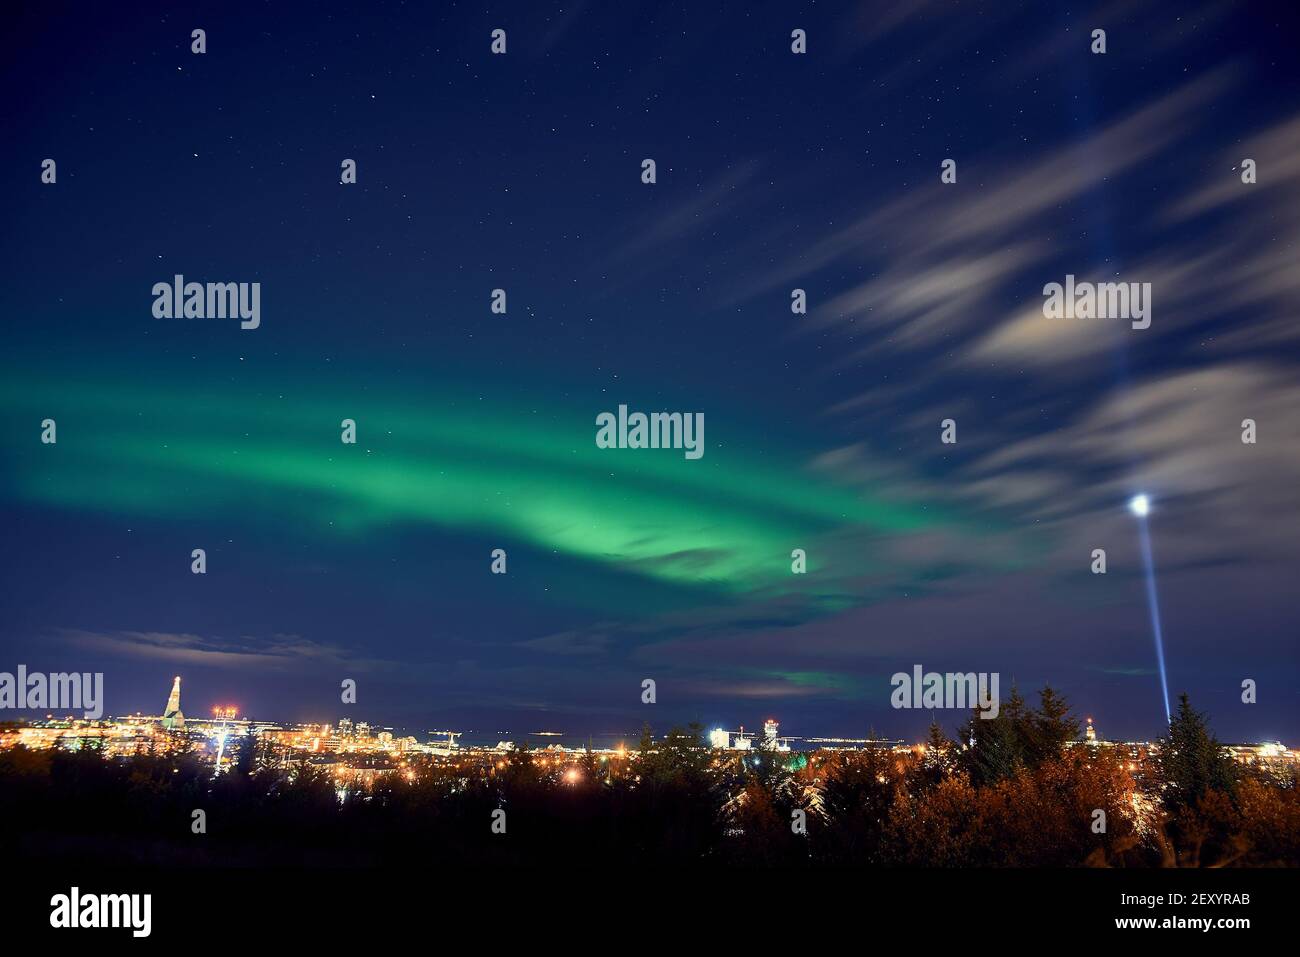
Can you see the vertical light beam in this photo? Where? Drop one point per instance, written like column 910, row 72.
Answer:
column 1140, row 506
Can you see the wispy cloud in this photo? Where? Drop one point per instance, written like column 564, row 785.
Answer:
column 953, row 252
column 277, row 651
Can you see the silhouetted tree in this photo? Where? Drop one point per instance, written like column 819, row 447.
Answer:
column 939, row 759
column 1051, row 727
column 858, row 789
column 1190, row 760
column 997, row 746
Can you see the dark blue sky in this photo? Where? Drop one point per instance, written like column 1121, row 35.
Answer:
column 775, row 171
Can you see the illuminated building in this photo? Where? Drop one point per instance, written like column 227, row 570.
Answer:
column 222, row 733
column 444, row 748
column 173, row 718
column 740, row 741
column 770, row 741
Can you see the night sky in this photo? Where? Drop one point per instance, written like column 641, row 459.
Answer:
column 476, row 431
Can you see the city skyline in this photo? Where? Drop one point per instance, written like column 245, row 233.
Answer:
column 342, row 381
column 766, row 728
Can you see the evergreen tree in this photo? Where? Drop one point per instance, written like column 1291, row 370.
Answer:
column 247, row 760
column 938, row 761
column 1191, row 761
column 858, row 791
column 683, row 748
column 1020, row 721
column 1051, row 727
column 589, row 764
column 997, row 746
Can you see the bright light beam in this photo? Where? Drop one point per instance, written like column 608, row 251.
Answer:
column 1140, row 505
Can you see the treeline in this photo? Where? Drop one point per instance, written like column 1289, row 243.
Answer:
column 1017, row 791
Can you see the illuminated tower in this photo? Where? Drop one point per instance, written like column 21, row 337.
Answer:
column 769, row 733
column 173, row 719
column 1091, row 734
column 222, row 733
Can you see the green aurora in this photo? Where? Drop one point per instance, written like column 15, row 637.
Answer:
column 454, row 460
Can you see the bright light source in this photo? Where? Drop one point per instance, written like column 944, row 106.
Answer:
column 1139, row 505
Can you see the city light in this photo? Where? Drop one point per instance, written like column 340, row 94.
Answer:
column 359, row 757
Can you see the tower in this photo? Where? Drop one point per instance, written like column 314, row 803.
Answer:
column 173, row 719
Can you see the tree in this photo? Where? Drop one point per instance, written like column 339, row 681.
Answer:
column 246, row 763
column 671, row 808
column 589, row 765
column 857, row 792
column 1191, row 762
column 1051, row 728
column 997, row 746
column 682, row 750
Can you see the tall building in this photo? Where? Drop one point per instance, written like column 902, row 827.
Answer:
column 770, row 741
column 173, row 718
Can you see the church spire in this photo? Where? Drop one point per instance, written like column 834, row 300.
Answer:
column 173, row 719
